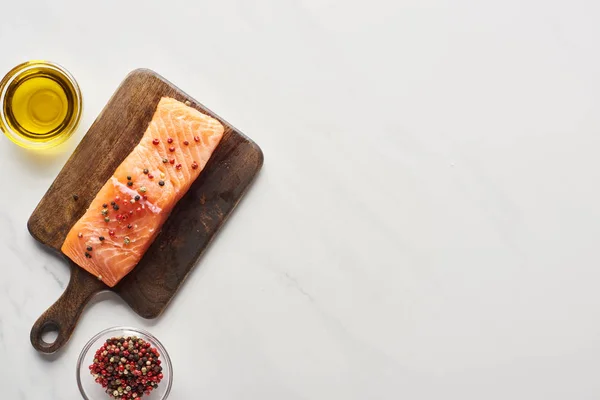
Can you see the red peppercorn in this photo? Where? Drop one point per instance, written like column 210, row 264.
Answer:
column 145, row 197
column 115, row 370
column 138, row 209
column 117, row 198
column 194, row 165
column 119, row 217
column 196, row 139
column 169, row 140
column 155, row 142
column 131, row 212
column 111, row 233
column 150, row 176
column 186, row 142
column 172, row 149
column 178, row 166
column 172, row 161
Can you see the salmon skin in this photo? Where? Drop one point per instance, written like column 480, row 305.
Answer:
column 128, row 212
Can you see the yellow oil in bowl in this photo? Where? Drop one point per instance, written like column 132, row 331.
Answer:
column 41, row 105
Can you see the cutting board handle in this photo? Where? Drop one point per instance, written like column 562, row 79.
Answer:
column 63, row 315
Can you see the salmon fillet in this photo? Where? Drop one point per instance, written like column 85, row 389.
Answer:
column 128, row 212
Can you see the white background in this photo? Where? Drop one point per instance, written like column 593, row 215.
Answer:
column 426, row 223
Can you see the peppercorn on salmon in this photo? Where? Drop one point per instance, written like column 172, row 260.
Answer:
column 128, row 212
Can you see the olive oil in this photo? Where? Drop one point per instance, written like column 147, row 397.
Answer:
column 41, row 104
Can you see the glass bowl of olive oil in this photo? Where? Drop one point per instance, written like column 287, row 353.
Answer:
column 41, row 105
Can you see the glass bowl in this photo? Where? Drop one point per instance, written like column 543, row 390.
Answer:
column 90, row 390
column 50, row 71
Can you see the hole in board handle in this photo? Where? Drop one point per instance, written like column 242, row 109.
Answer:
column 49, row 333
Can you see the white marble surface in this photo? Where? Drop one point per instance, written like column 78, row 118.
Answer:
column 426, row 224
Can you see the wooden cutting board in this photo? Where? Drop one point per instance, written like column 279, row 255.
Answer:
column 184, row 237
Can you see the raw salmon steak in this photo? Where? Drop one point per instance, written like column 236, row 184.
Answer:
column 128, row 212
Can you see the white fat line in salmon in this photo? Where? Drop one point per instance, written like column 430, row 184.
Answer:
column 125, row 190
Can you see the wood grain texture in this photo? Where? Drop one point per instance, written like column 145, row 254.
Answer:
column 186, row 234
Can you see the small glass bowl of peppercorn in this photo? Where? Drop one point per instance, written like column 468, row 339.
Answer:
column 124, row 363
